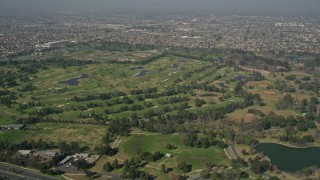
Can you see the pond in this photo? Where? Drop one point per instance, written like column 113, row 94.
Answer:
column 74, row 81
column 288, row 158
column 142, row 73
column 221, row 84
column 240, row 77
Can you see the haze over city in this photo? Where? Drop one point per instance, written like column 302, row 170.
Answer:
column 304, row 6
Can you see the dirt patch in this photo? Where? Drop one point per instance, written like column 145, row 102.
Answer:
column 270, row 92
column 264, row 84
column 242, row 114
column 250, row 117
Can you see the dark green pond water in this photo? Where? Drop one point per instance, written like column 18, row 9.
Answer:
column 288, row 158
column 74, row 81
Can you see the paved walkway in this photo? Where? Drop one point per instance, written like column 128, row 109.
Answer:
column 117, row 142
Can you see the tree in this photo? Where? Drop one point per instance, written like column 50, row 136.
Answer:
column 229, row 134
column 120, row 126
column 204, row 142
column 314, row 100
column 265, row 125
column 244, row 175
column 303, row 106
column 171, row 146
column 134, row 120
column 81, row 164
column 291, row 121
column 55, row 160
column 307, row 171
column 274, row 178
column 286, row 102
column 184, row 167
column 312, row 106
column 307, row 138
column 163, row 168
column 115, row 164
column 107, row 167
column 199, row 102
column 302, row 126
column 105, row 150
column 244, row 152
column 190, row 139
column 259, row 166
column 106, row 139
column 69, row 149
column 90, row 174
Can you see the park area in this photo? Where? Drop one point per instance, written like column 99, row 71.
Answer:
column 86, row 135
column 141, row 141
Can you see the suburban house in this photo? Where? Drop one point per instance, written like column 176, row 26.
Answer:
column 91, row 159
column 81, row 155
column 51, row 153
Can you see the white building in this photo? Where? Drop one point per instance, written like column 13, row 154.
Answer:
column 25, row 152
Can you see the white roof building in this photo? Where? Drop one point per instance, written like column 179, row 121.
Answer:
column 66, row 159
column 168, row 155
column 81, row 155
column 24, row 152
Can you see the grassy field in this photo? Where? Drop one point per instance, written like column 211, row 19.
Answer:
column 162, row 74
column 197, row 157
column 86, row 135
column 14, row 136
column 5, row 120
column 151, row 142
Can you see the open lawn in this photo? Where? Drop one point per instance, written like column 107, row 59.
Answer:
column 5, row 120
column 14, row 136
column 165, row 73
column 242, row 114
column 197, row 157
column 86, row 135
column 99, row 164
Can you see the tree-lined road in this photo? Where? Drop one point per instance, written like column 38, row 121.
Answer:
column 19, row 173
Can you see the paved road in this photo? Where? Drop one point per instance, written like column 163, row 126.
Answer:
column 234, row 151
column 235, row 154
column 19, row 173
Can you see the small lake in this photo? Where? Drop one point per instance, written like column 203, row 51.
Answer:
column 288, row 158
column 74, row 81
column 221, row 84
column 142, row 73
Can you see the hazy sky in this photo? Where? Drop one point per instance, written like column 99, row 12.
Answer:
column 164, row 5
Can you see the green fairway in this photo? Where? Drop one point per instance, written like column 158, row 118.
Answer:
column 14, row 136
column 5, row 120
